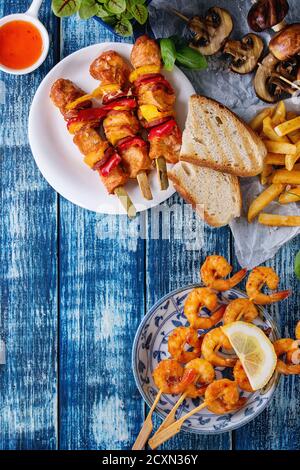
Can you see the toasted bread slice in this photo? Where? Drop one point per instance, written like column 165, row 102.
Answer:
column 215, row 196
column 216, row 138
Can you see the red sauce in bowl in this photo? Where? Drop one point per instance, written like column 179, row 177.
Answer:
column 21, row 44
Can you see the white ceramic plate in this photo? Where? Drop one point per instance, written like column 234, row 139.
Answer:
column 151, row 346
column 58, row 158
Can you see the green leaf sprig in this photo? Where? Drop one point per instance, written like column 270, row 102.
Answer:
column 175, row 49
column 116, row 13
column 297, row 265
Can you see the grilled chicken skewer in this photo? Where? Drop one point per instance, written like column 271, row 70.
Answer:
column 113, row 73
column 98, row 154
column 156, row 99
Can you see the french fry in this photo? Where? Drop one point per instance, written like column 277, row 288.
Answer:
column 266, row 173
column 290, row 160
column 288, row 126
column 292, row 195
column 257, row 122
column 286, row 177
column 279, row 220
column 279, row 115
column 275, row 159
column 269, row 132
column 295, row 135
column 267, row 196
column 280, row 147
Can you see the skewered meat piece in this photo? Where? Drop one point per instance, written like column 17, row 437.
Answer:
column 145, row 51
column 110, row 68
column 135, row 155
column 157, row 94
column 63, row 92
column 93, row 147
column 167, row 146
column 120, row 124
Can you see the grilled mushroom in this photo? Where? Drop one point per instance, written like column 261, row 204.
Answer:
column 211, row 32
column 266, row 14
column 286, row 43
column 245, row 53
column 269, row 81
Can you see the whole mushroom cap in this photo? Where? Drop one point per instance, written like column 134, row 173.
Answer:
column 267, row 13
column 286, row 43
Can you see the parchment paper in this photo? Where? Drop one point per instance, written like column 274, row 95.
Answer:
column 254, row 243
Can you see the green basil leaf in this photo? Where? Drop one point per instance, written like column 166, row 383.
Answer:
column 124, row 28
column 190, row 58
column 297, row 265
column 62, row 8
column 168, row 53
column 140, row 13
column 102, row 12
column 88, row 8
column 116, row 6
column 127, row 15
column 111, row 20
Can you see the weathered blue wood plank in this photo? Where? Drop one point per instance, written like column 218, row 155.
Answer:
column 278, row 427
column 173, row 263
column 28, row 394
column 102, row 302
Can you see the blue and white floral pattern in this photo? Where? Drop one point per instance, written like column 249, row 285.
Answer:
column 151, row 346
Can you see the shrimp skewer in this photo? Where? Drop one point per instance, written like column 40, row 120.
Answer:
column 219, row 394
column 260, row 276
column 169, row 377
column 179, row 338
column 240, row 308
column 214, row 269
column 205, row 375
column 212, row 342
column 293, row 356
column 198, row 298
column 285, row 346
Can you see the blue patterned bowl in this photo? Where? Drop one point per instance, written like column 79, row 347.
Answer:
column 151, row 346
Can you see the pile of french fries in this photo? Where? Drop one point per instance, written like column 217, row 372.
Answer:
column 280, row 131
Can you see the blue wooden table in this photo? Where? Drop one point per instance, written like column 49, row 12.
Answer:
column 74, row 287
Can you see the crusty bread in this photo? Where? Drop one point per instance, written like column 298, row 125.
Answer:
column 216, row 138
column 215, row 196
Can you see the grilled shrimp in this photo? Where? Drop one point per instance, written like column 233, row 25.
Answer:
column 293, row 356
column 223, row 396
column 170, row 377
column 257, row 279
column 180, row 337
column 212, row 342
column 198, row 298
column 240, row 309
column 205, row 375
column 214, row 269
column 241, row 378
column 284, row 346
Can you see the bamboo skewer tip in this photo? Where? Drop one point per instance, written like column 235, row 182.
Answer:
column 161, row 168
column 126, row 202
column 143, row 182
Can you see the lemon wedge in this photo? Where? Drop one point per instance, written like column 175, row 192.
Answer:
column 255, row 351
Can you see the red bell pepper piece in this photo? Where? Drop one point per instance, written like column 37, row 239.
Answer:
column 112, row 163
column 131, row 142
column 164, row 129
column 154, row 78
column 92, row 114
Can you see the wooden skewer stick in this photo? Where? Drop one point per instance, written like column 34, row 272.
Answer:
column 147, row 426
column 126, row 202
column 142, row 179
column 170, row 419
column 176, row 12
column 174, row 429
column 161, row 168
